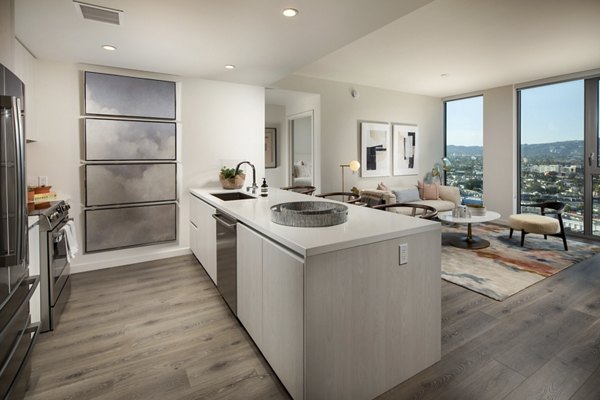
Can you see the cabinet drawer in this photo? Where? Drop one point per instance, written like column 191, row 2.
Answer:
column 15, row 317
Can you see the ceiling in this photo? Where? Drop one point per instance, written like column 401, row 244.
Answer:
column 197, row 38
column 399, row 45
column 479, row 44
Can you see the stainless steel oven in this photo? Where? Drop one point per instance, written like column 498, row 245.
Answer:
column 54, row 264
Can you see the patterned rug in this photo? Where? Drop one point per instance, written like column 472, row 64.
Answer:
column 505, row 268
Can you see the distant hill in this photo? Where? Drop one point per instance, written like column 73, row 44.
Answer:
column 464, row 150
column 566, row 149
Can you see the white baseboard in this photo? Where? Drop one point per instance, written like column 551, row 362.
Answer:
column 134, row 259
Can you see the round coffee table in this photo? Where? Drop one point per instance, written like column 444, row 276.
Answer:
column 469, row 241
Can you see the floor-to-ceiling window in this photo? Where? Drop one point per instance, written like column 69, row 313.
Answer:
column 551, row 132
column 464, row 146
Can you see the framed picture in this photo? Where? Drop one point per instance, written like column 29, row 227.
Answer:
column 122, row 140
column 270, row 148
column 375, row 149
column 404, row 139
column 123, row 227
column 113, row 184
column 127, row 96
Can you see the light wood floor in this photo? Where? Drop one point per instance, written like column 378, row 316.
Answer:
column 160, row 330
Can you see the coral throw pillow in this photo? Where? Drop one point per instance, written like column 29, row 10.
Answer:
column 428, row 191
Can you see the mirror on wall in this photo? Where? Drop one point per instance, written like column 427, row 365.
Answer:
column 301, row 150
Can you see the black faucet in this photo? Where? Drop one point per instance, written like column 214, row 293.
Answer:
column 254, row 185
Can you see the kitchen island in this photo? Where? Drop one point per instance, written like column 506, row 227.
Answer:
column 335, row 310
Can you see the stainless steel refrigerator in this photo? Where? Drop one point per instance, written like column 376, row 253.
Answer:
column 17, row 334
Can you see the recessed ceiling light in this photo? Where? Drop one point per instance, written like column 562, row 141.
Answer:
column 109, row 47
column 444, row 75
column 290, row 12
column 230, row 66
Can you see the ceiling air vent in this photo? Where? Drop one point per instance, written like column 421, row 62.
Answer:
column 98, row 13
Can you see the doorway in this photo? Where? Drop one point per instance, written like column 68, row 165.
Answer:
column 301, row 141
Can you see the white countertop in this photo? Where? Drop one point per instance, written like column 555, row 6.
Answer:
column 364, row 225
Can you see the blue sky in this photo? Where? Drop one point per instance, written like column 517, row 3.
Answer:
column 550, row 113
column 464, row 122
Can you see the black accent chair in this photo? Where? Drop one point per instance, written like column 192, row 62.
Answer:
column 540, row 223
column 426, row 212
column 309, row 190
column 346, row 197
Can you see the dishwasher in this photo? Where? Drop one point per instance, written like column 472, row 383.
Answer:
column 227, row 259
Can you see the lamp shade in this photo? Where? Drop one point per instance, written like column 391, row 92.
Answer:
column 354, row 165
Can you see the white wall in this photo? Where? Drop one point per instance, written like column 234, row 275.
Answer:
column 275, row 118
column 224, row 124
column 499, row 150
column 339, row 118
column 219, row 122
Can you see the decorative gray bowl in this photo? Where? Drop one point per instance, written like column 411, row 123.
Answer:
column 309, row 213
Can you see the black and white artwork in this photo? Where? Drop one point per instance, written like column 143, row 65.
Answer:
column 117, row 228
column 127, row 96
column 375, row 149
column 108, row 184
column 404, row 138
column 119, row 140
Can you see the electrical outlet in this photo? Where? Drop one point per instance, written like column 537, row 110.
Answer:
column 42, row 181
column 403, row 250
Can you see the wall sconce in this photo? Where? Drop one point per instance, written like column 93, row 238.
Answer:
column 353, row 165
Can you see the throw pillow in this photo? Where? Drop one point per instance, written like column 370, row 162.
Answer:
column 407, row 195
column 383, row 186
column 428, row 191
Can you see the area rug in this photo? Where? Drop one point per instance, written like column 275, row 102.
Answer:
column 505, row 268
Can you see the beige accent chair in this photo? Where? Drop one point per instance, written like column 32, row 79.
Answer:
column 540, row 223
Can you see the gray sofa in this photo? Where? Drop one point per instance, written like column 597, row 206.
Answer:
column 449, row 198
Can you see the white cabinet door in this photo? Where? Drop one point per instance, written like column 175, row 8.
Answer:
column 249, row 281
column 283, row 329
column 194, row 238
column 34, row 269
column 207, row 236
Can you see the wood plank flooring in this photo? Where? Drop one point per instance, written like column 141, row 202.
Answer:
column 160, row 330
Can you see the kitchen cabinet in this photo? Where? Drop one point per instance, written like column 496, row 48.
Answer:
column 283, row 329
column 270, row 304
column 205, row 241
column 249, row 281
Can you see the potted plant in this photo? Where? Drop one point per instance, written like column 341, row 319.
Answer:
column 230, row 180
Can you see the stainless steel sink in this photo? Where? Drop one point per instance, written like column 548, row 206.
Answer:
column 228, row 196
column 309, row 213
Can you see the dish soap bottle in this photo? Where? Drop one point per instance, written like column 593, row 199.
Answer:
column 264, row 188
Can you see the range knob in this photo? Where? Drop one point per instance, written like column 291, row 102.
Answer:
column 54, row 215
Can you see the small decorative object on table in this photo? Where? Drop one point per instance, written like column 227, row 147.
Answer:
column 229, row 179
column 477, row 210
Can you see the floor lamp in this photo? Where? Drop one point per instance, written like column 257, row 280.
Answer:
column 353, row 165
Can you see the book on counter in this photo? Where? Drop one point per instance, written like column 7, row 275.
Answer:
column 44, row 196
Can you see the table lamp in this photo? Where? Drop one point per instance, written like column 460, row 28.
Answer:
column 353, row 165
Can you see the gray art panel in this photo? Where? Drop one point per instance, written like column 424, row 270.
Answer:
column 111, row 140
column 128, row 96
column 114, row 228
column 130, row 183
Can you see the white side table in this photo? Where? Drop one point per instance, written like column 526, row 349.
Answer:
column 469, row 242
